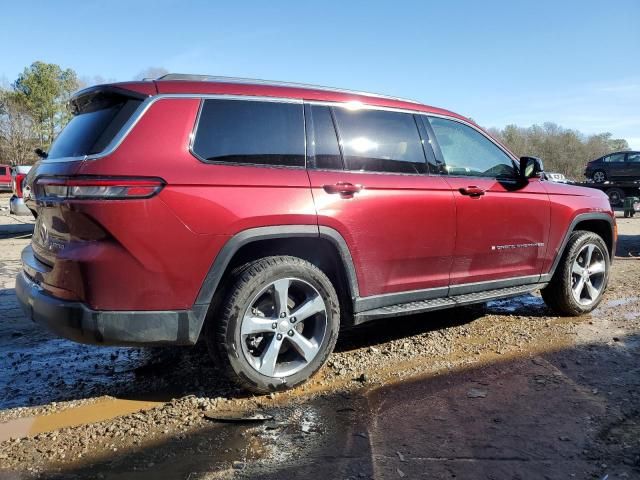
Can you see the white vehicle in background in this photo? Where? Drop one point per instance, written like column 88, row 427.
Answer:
column 556, row 177
column 18, row 182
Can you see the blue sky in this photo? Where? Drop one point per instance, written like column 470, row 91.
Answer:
column 576, row 63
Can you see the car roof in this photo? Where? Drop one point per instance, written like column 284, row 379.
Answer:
column 174, row 83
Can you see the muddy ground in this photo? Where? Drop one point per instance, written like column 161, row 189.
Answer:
column 503, row 391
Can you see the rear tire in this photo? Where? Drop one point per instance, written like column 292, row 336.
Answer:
column 263, row 344
column 599, row 176
column 580, row 280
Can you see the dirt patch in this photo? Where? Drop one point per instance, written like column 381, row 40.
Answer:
column 501, row 389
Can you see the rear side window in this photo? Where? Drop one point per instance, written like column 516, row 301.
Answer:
column 97, row 118
column 3, row 170
column 322, row 143
column 615, row 158
column 469, row 153
column 379, row 141
column 252, row 132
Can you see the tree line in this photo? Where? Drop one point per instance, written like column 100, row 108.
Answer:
column 34, row 109
column 562, row 150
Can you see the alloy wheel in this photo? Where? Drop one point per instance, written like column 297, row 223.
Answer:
column 599, row 177
column 588, row 274
column 283, row 327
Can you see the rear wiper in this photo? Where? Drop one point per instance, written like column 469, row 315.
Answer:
column 41, row 153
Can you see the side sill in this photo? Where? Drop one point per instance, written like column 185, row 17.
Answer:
column 423, row 306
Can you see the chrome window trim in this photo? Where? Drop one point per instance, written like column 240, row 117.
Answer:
column 149, row 101
column 358, row 106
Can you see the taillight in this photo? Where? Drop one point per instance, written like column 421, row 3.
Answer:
column 96, row 188
column 17, row 184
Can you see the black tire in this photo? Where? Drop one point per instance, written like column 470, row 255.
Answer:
column 558, row 295
column 616, row 196
column 224, row 337
column 599, row 176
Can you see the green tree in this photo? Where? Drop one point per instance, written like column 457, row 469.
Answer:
column 45, row 89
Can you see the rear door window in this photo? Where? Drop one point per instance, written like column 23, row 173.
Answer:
column 251, row 132
column 97, row 118
column 615, row 158
column 323, row 150
column 379, row 141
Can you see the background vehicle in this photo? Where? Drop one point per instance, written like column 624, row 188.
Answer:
column 614, row 166
column 18, row 183
column 265, row 216
column 5, row 178
column 555, row 177
column 617, row 191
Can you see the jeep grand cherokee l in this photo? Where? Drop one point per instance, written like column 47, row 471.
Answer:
column 263, row 217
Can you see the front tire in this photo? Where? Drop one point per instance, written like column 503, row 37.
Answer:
column 580, row 280
column 276, row 325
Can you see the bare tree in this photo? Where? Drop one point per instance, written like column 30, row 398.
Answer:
column 151, row 72
column 562, row 150
column 17, row 131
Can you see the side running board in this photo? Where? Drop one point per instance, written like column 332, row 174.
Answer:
column 422, row 306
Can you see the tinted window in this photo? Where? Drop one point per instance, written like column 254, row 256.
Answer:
column 3, row 170
column 379, row 141
column 322, row 145
column 633, row 157
column 98, row 117
column 468, row 152
column 615, row 158
column 239, row 131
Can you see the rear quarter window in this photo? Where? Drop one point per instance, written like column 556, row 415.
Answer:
column 97, row 118
column 251, row 132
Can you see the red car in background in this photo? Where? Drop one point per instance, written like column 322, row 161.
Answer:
column 262, row 217
column 5, row 178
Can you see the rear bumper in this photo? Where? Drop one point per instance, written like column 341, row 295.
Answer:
column 77, row 322
column 18, row 207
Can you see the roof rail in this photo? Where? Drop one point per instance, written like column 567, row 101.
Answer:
column 252, row 81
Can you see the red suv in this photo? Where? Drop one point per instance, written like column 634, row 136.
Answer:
column 262, row 217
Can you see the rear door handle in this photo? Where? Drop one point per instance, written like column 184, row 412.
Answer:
column 472, row 191
column 343, row 188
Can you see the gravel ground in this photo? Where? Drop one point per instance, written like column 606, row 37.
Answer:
column 359, row 416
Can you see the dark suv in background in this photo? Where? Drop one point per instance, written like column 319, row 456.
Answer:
column 614, row 166
column 262, row 217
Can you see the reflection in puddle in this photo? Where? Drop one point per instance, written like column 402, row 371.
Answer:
column 72, row 417
column 522, row 305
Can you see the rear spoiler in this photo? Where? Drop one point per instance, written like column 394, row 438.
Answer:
column 133, row 90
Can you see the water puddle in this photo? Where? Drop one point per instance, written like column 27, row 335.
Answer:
column 522, row 305
column 73, row 417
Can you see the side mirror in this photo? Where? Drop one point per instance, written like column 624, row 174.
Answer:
column 530, row 167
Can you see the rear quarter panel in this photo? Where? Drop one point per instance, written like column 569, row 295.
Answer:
column 176, row 236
